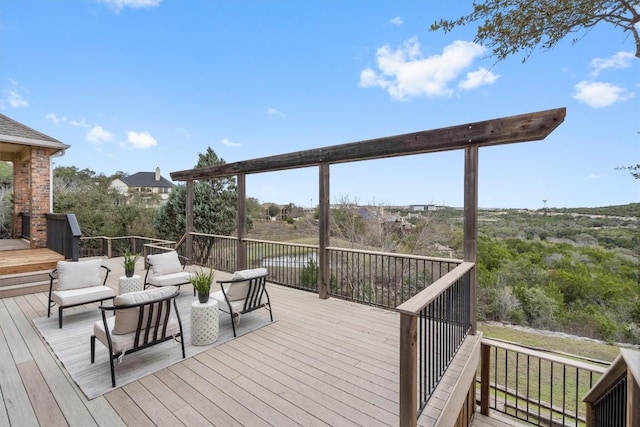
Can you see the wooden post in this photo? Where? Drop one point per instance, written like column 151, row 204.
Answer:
column 408, row 370
column 241, row 219
column 590, row 417
column 189, row 220
column 323, row 201
column 471, row 227
column 633, row 399
column 485, row 378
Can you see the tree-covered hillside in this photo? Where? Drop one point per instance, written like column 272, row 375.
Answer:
column 572, row 270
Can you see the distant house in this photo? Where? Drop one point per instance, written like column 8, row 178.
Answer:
column 150, row 186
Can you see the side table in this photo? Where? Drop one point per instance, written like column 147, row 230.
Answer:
column 129, row 284
column 204, row 322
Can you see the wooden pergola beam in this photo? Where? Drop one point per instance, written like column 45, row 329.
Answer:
column 507, row 130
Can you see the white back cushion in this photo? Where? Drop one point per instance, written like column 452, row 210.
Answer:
column 79, row 274
column 239, row 290
column 127, row 319
column 165, row 263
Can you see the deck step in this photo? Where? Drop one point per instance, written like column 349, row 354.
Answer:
column 23, row 278
column 32, row 282
column 24, row 289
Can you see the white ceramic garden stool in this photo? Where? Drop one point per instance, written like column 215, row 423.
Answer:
column 129, row 284
column 204, row 322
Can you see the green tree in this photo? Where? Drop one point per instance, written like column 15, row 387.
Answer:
column 76, row 191
column 633, row 170
column 512, row 26
column 252, row 205
column 273, row 211
column 100, row 210
column 214, row 205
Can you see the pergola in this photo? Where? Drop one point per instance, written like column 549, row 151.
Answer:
column 468, row 137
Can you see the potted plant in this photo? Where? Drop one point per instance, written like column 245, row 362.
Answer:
column 129, row 261
column 201, row 282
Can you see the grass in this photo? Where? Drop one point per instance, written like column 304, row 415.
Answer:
column 539, row 340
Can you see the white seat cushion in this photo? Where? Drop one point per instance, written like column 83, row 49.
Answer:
column 126, row 341
column 81, row 295
column 172, row 279
column 236, row 305
column 165, row 263
column 79, row 274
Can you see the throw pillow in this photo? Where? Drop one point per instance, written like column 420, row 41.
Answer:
column 79, row 274
column 127, row 319
column 165, row 263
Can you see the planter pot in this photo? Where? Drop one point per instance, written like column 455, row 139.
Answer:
column 203, row 297
column 129, row 273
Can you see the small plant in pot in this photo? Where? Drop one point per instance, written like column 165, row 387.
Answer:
column 129, row 262
column 201, row 282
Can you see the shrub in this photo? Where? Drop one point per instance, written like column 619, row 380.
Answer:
column 309, row 275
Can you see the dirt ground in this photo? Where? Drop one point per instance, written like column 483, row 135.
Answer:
column 281, row 231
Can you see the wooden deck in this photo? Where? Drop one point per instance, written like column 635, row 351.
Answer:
column 27, row 260
column 323, row 362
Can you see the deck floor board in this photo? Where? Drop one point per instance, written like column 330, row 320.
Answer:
column 322, row 363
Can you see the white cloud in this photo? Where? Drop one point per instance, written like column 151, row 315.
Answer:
column 230, row 143
column 600, row 94
column 478, row 78
column 618, row 60
column 16, row 100
column 98, row 134
column 82, row 123
column 404, row 73
column 53, row 118
column 273, row 112
column 397, row 21
column 141, row 139
column 118, row 5
column 62, row 120
column 183, row 132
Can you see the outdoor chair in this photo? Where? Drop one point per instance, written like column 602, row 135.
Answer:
column 142, row 319
column 167, row 269
column 245, row 292
column 78, row 283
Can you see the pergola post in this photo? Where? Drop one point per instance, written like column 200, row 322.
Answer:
column 471, row 225
column 189, row 220
column 323, row 200
column 241, row 221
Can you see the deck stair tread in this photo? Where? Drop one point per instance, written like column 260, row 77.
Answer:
column 24, row 289
column 495, row 420
column 28, row 260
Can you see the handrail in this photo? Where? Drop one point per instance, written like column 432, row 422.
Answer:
column 63, row 234
column 623, row 374
column 397, row 255
column 444, row 312
column 181, row 241
column 534, row 386
column 419, row 301
column 544, row 356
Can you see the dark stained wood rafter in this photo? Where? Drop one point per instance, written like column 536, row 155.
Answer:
column 521, row 128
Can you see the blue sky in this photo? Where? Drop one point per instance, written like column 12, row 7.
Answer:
column 135, row 84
